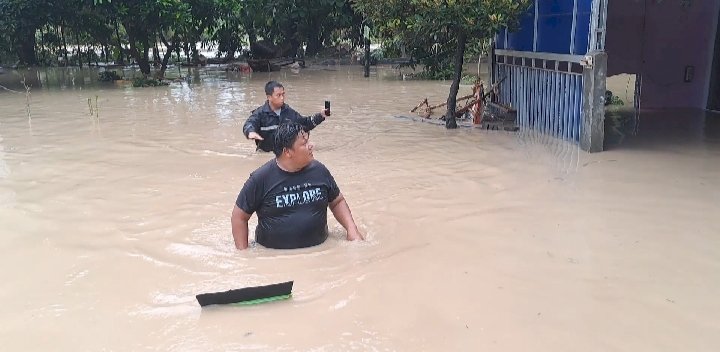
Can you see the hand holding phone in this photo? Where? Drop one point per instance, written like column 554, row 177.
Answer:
column 327, row 107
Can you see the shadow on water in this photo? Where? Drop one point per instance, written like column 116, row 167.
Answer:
column 662, row 129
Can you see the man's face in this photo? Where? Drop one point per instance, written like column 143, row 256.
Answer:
column 302, row 150
column 277, row 99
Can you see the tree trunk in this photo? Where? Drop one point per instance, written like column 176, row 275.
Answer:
column 120, row 48
column 367, row 57
column 140, row 57
column 144, row 60
column 232, row 49
column 53, row 47
column 314, row 42
column 79, row 57
column 295, row 48
column 26, row 46
column 252, row 37
column 313, row 46
column 43, row 53
column 195, row 53
column 156, row 52
column 249, row 26
column 186, row 49
column 62, row 32
column 451, row 100
column 164, row 63
column 169, row 47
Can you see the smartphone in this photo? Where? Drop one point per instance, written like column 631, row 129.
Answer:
column 327, row 106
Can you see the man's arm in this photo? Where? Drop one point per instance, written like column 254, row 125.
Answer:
column 251, row 129
column 341, row 211
column 310, row 122
column 239, row 221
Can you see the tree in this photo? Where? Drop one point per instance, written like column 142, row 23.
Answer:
column 291, row 23
column 433, row 28
column 170, row 21
column 228, row 29
column 49, row 26
column 313, row 22
column 19, row 21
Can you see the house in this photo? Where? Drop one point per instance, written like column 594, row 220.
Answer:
column 557, row 64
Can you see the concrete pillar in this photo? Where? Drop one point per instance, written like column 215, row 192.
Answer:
column 592, row 127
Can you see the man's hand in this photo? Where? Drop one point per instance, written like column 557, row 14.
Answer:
column 341, row 211
column 324, row 113
column 354, row 234
column 255, row 136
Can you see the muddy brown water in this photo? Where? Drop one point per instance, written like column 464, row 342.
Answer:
column 477, row 240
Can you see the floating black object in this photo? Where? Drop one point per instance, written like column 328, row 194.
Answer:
column 248, row 295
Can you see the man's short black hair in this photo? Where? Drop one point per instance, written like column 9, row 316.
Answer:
column 285, row 136
column 270, row 87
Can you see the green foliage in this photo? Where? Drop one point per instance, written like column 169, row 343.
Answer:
column 317, row 23
column 611, row 99
column 429, row 28
column 228, row 30
column 18, row 23
column 139, row 25
column 437, row 73
column 376, row 55
column 469, row 79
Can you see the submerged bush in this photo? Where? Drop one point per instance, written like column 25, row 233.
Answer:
column 108, row 76
column 611, row 99
column 148, row 82
column 469, row 79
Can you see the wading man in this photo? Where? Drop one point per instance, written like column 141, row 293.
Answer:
column 263, row 122
column 290, row 195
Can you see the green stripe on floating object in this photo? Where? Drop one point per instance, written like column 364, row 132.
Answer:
column 262, row 300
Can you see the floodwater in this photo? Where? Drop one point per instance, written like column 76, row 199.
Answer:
column 112, row 222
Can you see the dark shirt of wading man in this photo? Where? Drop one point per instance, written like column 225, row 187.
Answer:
column 290, row 195
column 263, row 122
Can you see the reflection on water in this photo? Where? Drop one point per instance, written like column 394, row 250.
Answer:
column 112, row 222
column 48, row 78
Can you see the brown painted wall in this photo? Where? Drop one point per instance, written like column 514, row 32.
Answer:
column 658, row 39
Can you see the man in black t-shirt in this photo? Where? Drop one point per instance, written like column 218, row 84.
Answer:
column 290, row 195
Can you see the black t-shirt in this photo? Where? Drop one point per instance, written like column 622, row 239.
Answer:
column 291, row 206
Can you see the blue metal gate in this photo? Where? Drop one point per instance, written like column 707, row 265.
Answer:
column 547, row 68
column 546, row 91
